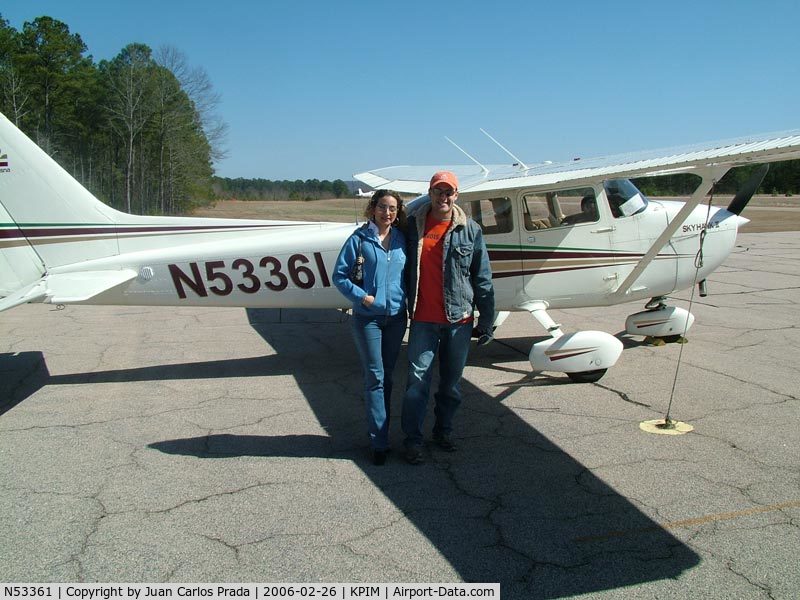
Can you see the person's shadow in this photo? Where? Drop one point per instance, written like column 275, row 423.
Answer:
column 509, row 506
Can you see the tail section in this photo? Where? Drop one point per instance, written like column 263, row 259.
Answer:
column 60, row 244
column 43, row 212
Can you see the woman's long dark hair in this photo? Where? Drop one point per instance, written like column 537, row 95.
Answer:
column 369, row 211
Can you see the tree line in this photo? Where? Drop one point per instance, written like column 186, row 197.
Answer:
column 265, row 189
column 139, row 131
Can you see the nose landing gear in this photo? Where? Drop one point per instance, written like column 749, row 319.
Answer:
column 660, row 323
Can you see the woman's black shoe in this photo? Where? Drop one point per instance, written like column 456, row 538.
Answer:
column 379, row 457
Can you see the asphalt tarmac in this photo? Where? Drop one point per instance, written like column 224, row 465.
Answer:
column 225, row 445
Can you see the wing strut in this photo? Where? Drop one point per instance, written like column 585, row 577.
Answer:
column 709, row 175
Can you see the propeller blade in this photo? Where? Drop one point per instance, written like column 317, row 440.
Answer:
column 743, row 196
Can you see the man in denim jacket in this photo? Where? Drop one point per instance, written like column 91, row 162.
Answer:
column 448, row 277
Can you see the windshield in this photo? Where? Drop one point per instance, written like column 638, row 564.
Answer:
column 624, row 198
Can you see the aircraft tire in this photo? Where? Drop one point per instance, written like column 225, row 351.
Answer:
column 587, row 376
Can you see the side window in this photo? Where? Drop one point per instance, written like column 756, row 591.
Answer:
column 559, row 209
column 493, row 215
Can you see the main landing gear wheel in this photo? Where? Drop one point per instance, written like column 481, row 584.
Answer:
column 674, row 339
column 587, row 376
column 661, row 340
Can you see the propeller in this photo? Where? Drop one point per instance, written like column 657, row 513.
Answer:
column 746, row 192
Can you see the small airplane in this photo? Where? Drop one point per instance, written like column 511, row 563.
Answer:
column 560, row 235
column 360, row 194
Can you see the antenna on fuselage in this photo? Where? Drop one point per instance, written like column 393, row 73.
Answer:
column 519, row 163
column 484, row 169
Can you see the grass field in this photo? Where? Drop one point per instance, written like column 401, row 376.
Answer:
column 336, row 209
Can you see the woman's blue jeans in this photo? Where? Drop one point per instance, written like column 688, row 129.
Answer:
column 378, row 341
column 425, row 340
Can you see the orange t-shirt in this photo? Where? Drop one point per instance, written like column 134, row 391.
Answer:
column 430, row 296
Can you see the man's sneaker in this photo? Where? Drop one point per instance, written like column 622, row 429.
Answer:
column 414, row 455
column 444, row 442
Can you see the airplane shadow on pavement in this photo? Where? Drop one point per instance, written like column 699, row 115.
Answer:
column 21, row 375
column 509, row 506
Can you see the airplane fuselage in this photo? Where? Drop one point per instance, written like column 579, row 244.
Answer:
column 198, row 262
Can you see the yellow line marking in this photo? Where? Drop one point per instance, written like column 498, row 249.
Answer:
column 691, row 522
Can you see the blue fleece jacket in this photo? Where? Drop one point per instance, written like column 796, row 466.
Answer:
column 383, row 272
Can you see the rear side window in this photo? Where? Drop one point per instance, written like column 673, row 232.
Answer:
column 492, row 214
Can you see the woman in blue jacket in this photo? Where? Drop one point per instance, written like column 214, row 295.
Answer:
column 379, row 305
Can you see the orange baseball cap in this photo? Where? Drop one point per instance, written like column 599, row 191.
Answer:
column 445, row 177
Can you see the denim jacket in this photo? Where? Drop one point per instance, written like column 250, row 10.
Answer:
column 383, row 272
column 467, row 273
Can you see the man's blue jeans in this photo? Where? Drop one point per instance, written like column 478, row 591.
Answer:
column 378, row 341
column 424, row 340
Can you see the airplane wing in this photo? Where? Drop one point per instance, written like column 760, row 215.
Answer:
column 754, row 149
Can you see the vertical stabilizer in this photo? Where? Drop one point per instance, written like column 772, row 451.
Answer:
column 45, row 208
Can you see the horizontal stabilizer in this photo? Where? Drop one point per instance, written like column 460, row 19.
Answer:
column 68, row 288
column 35, row 292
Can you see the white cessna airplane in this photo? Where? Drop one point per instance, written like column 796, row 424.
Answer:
column 360, row 194
column 566, row 235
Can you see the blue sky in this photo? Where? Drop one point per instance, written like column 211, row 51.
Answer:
column 324, row 89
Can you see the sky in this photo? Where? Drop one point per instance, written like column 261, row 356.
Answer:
column 326, row 89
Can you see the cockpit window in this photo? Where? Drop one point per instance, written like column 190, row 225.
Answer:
column 542, row 210
column 624, row 198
